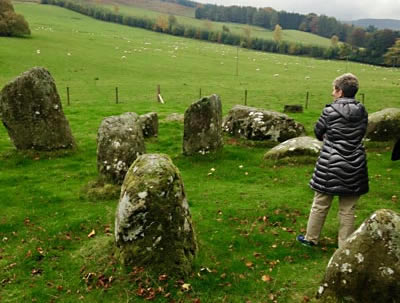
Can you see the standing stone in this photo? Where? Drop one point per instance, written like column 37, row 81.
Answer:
column 32, row 113
column 203, row 126
column 384, row 125
column 367, row 268
column 259, row 124
column 119, row 142
column 149, row 124
column 153, row 225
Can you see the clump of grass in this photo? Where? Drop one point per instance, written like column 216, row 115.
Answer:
column 100, row 190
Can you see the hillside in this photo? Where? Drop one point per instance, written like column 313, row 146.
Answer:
column 153, row 8
column 246, row 213
column 392, row 24
column 156, row 6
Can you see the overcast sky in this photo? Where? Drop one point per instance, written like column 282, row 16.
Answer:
column 340, row 9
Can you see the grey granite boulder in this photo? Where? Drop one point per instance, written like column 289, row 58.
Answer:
column 119, row 142
column 367, row 268
column 300, row 146
column 384, row 125
column 149, row 124
column 32, row 113
column 203, row 126
column 153, row 225
column 259, row 124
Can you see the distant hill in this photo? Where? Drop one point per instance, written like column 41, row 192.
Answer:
column 393, row 24
column 174, row 7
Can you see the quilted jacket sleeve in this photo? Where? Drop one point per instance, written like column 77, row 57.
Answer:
column 321, row 125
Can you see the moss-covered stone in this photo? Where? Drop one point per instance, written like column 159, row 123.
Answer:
column 119, row 142
column 300, row 146
column 384, row 125
column 32, row 113
column 202, row 126
column 367, row 268
column 259, row 124
column 153, row 226
column 149, row 124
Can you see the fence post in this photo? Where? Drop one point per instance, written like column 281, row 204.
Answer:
column 68, row 95
column 116, row 95
column 200, row 93
column 363, row 98
column 307, row 97
column 245, row 97
column 158, row 92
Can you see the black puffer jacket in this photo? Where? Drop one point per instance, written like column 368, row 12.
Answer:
column 341, row 168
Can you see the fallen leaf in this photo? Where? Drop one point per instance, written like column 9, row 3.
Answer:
column 92, row 234
column 162, row 277
column 266, row 278
column 36, row 271
column 186, row 287
column 249, row 264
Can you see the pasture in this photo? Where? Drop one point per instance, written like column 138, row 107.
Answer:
column 246, row 213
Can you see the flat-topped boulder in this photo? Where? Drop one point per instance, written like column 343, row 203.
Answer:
column 119, row 142
column 175, row 117
column 260, row 124
column 153, row 225
column 299, row 146
column 384, row 125
column 149, row 124
column 203, row 126
column 367, row 267
column 32, row 113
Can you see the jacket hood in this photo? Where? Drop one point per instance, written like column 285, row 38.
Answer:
column 350, row 109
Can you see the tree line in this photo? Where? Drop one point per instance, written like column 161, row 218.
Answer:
column 170, row 25
column 12, row 24
column 367, row 45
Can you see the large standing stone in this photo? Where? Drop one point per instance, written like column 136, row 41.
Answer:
column 300, row 146
column 153, row 226
column 149, row 124
column 384, row 125
column 203, row 126
column 32, row 113
column 367, row 268
column 119, row 142
column 259, row 124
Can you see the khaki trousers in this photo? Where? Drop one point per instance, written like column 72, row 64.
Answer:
column 319, row 211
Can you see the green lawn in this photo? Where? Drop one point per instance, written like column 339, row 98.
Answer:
column 245, row 223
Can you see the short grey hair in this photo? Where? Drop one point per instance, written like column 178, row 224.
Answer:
column 348, row 83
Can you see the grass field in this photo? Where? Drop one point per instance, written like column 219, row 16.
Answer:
column 148, row 11
column 245, row 223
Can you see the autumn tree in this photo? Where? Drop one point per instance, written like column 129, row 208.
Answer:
column 247, row 35
column 161, row 23
column 334, row 41
column 116, row 8
column 278, row 33
column 392, row 56
column 12, row 24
